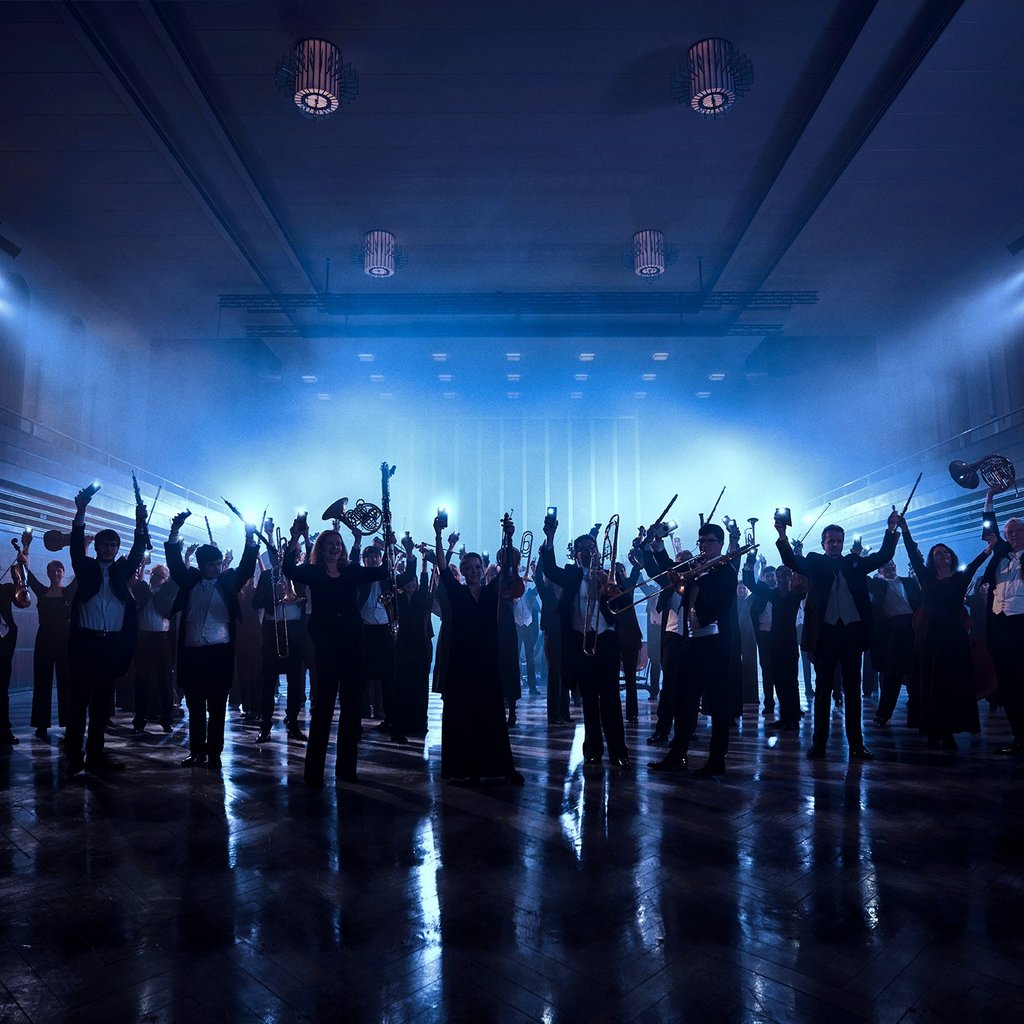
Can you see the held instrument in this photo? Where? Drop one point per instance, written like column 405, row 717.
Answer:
column 711, row 514
column 364, row 517
column 609, row 554
column 281, row 588
column 209, row 532
column 510, row 583
column 912, row 490
column 55, row 540
column 996, row 470
column 139, row 503
column 750, row 537
column 21, row 598
column 657, row 522
column 817, row 519
column 526, row 550
column 389, row 592
column 257, row 533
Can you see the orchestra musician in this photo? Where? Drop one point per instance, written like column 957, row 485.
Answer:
column 837, row 624
column 208, row 600
column 584, row 611
column 702, row 620
column 13, row 594
column 50, row 655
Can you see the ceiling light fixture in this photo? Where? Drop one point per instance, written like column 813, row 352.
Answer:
column 715, row 74
column 444, row 378
column 586, row 357
column 716, row 376
column 379, row 254
column 581, row 376
column 512, row 357
column 575, row 394
column 439, row 357
column 639, row 394
column 659, row 357
column 513, row 377
column 648, row 376
column 377, row 378
column 648, row 256
column 703, row 394
column 319, row 80
column 366, row 357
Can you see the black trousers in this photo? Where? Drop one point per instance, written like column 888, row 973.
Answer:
column 49, row 658
column 96, row 662
column 379, row 664
column 597, row 679
column 703, row 674
column 282, row 653
column 764, row 659
column 840, row 646
column 785, row 658
column 206, row 675
column 629, row 653
column 338, row 667
column 558, row 691
column 1006, row 644
column 153, row 677
column 899, row 650
column 7, row 645
column 527, row 637
column 671, row 653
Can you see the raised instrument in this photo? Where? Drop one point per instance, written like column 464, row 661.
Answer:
column 139, row 503
column 283, row 593
column 21, row 598
column 258, row 533
column 525, row 550
column 914, row 489
column 714, row 508
column 510, row 583
column 389, row 592
column 209, row 532
column 609, row 588
column 817, row 519
column 364, row 517
column 750, row 537
column 996, row 470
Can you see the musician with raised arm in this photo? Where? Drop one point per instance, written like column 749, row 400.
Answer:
column 335, row 627
column 208, row 600
column 590, row 645
column 12, row 595
column 1005, row 625
column 702, row 618
column 474, row 733
column 837, row 624
column 103, row 634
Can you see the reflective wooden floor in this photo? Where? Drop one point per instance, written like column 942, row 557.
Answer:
column 785, row 891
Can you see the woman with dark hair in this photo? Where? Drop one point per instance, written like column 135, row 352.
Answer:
column 50, row 656
column 942, row 675
column 336, row 631
column 474, row 732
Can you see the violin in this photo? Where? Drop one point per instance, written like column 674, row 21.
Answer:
column 510, row 583
column 22, row 598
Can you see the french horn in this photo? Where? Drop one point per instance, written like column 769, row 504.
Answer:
column 996, row 470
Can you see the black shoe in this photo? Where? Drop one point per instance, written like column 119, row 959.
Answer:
column 669, row 763
column 399, row 737
column 194, row 761
column 591, row 758
column 383, row 726
column 516, row 778
column 653, row 741
column 511, row 718
column 166, row 726
column 74, row 765
column 264, row 736
column 345, row 775
column 1016, row 748
column 709, row 769
column 861, row 754
column 295, row 733
column 815, row 753
column 8, row 739
column 213, row 763
column 314, row 782
column 622, row 761
column 138, row 730
column 42, row 734
column 102, row 765
column 881, row 721
column 949, row 743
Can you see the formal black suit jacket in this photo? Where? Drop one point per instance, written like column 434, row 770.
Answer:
column 89, row 578
column 229, row 583
column 820, row 572
column 880, row 634
column 400, row 581
column 569, row 578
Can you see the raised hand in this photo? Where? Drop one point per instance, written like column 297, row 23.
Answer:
column 178, row 521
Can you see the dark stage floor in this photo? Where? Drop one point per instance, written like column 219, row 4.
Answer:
column 786, row 891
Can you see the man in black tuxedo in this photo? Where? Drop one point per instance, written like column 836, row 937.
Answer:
column 1005, row 625
column 551, row 626
column 703, row 621
column 893, row 600
column 103, row 634
column 837, row 624
column 588, row 623
column 208, row 600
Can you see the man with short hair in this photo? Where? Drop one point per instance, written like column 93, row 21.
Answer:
column 894, row 600
column 154, row 658
column 837, row 624
column 702, row 617
column 103, row 635
column 1005, row 626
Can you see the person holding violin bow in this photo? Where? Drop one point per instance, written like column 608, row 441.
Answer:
column 590, row 644
column 12, row 595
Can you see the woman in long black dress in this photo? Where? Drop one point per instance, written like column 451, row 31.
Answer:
column 942, row 676
column 336, row 631
column 50, row 656
column 474, row 733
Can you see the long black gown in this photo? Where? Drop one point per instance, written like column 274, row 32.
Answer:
column 942, row 675
column 474, row 735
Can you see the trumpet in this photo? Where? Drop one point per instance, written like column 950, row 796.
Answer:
column 750, row 535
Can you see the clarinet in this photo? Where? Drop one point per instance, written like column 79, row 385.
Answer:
column 139, row 503
column 389, row 593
